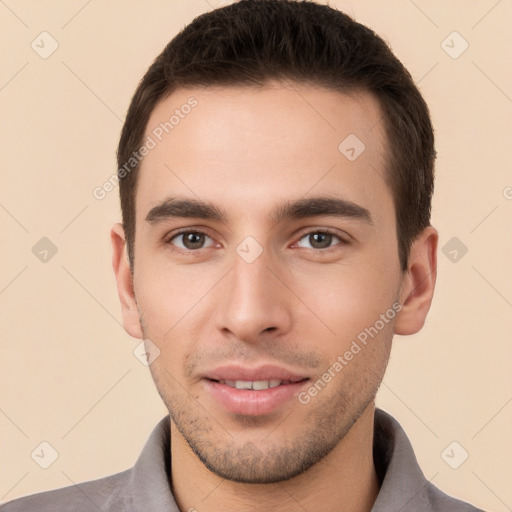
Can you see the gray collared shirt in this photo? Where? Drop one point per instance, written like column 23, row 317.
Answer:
column 145, row 487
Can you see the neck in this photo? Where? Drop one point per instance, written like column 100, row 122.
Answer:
column 345, row 480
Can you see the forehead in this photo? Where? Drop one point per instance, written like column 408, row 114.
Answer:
column 257, row 145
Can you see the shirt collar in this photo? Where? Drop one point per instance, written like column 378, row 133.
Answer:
column 150, row 479
column 403, row 486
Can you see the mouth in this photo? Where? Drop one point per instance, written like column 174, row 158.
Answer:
column 256, row 385
column 252, row 392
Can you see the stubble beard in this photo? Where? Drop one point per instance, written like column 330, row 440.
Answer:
column 272, row 458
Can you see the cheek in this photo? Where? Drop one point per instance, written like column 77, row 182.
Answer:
column 167, row 295
column 345, row 297
column 172, row 304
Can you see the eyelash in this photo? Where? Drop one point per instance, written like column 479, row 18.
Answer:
column 335, row 234
column 168, row 241
column 342, row 240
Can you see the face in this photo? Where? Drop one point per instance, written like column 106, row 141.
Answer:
column 264, row 253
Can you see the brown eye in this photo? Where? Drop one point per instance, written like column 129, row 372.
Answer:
column 319, row 240
column 190, row 240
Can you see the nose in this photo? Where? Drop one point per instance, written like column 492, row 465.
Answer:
column 254, row 301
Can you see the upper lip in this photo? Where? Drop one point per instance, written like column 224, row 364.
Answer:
column 263, row 372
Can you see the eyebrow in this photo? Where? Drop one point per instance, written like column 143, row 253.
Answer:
column 174, row 207
column 320, row 206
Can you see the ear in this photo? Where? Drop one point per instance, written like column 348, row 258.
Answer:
column 418, row 282
column 121, row 265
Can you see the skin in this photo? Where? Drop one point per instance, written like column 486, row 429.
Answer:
column 299, row 304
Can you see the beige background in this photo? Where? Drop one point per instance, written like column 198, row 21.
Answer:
column 68, row 375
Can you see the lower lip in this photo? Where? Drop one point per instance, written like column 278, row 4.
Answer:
column 250, row 402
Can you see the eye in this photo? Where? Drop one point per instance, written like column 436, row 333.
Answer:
column 191, row 240
column 319, row 240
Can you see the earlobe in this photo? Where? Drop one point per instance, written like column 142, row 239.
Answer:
column 418, row 283
column 121, row 266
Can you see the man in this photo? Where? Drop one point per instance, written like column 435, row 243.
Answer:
column 276, row 175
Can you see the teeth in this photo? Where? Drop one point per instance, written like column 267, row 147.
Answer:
column 260, row 384
column 243, row 384
column 256, row 384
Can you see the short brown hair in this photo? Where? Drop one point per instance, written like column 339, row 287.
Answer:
column 251, row 42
